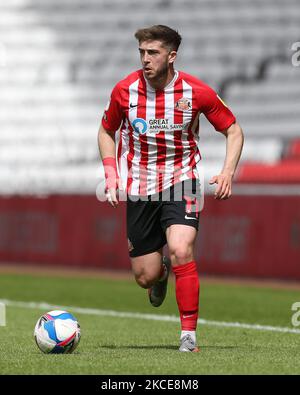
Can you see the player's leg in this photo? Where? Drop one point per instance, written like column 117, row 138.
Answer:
column 180, row 219
column 146, row 239
column 147, row 269
column 181, row 241
column 151, row 271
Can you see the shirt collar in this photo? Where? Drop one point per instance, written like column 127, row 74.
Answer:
column 170, row 84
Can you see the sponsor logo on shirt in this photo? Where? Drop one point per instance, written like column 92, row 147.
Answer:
column 156, row 125
column 140, row 125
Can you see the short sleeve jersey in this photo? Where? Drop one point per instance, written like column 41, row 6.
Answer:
column 157, row 131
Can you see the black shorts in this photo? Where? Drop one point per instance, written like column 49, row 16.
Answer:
column 148, row 217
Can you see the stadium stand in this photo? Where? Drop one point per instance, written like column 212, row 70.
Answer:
column 59, row 61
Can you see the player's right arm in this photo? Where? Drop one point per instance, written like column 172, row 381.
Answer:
column 111, row 121
column 107, row 148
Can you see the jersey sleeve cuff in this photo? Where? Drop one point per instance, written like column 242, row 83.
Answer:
column 226, row 124
column 107, row 127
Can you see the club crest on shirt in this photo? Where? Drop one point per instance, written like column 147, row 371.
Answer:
column 183, row 104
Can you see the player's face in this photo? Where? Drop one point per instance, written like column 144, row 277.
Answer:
column 156, row 59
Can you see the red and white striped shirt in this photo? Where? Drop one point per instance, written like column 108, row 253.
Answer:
column 158, row 130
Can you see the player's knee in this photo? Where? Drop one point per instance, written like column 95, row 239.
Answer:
column 143, row 281
column 181, row 254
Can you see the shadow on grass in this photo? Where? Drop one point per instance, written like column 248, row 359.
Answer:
column 141, row 347
column 163, row 347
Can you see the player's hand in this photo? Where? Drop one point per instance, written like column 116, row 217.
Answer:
column 111, row 194
column 224, row 184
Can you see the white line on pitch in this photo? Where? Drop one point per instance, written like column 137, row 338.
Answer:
column 154, row 317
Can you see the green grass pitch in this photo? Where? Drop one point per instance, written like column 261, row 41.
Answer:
column 118, row 345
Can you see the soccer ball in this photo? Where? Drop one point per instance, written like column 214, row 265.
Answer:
column 57, row 332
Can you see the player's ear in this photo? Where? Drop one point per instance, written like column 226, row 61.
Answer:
column 172, row 56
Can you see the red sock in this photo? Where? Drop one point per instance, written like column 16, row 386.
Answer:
column 187, row 294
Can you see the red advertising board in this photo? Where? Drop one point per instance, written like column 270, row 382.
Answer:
column 257, row 236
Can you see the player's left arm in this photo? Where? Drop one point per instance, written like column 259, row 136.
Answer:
column 234, row 145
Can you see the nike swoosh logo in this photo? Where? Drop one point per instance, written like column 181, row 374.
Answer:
column 187, row 316
column 132, row 105
column 186, row 217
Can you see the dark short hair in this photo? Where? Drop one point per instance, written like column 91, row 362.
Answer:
column 169, row 37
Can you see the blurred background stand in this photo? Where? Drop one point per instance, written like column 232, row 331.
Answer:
column 58, row 63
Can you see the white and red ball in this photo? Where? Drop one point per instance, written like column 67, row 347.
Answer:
column 57, row 332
